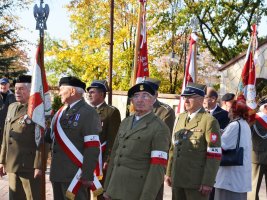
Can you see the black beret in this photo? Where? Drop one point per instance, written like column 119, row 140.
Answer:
column 141, row 87
column 72, row 81
column 262, row 101
column 23, row 79
column 194, row 88
column 154, row 83
column 228, row 97
column 100, row 84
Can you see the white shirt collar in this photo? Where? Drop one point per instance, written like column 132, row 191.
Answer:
column 192, row 115
column 212, row 110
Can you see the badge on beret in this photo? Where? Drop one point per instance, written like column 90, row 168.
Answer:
column 75, row 123
column 213, row 137
column 141, row 87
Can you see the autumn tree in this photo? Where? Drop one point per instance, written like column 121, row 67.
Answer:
column 13, row 60
column 224, row 30
column 225, row 26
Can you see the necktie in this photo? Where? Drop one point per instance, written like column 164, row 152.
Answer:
column 187, row 120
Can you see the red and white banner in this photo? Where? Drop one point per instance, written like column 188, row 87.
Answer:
column 40, row 102
column 247, row 89
column 142, row 62
column 189, row 70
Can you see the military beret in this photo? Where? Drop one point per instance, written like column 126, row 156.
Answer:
column 154, row 83
column 100, row 84
column 228, row 97
column 72, row 81
column 262, row 101
column 141, row 87
column 23, row 79
column 4, row 81
column 194, row 88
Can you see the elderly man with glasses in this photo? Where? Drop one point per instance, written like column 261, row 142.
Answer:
column 139, row 155
column 195, row 152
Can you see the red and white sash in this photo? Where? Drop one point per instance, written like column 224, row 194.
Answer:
column 262, row 119
column 77, row 158
column 99, row 167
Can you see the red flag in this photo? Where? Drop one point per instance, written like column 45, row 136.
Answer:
column 142, row 62
column 189, row 70
column 39, row 102
column 247, row 89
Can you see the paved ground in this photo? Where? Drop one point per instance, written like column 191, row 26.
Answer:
column 49, row 194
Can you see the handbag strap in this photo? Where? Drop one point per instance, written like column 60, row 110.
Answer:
column 238, row 138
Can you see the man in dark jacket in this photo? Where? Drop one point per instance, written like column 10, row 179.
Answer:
column 210, row 104
column 6, row 98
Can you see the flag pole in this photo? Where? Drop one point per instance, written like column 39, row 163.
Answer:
column 41, row 14
column 137, row 44
column 194, row 25
column 111, row 51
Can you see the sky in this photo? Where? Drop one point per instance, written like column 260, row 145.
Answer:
column 58, row 25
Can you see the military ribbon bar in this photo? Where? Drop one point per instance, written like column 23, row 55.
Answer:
column 159, row 158
column 214, row 153
column 91, row 141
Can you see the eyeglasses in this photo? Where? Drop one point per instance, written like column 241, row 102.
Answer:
column 141, row 96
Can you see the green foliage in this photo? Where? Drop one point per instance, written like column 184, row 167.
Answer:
column 56, row 103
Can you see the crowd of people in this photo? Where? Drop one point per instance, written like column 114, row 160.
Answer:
column 93, row 151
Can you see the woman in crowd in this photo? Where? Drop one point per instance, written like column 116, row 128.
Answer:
column 233, row 182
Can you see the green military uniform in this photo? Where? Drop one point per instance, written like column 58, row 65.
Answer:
column 194, row 156
column 259, row 157
column 79, row 121
column 165, row 113
column 20, row 155
column 110, row 121
column 132, row 172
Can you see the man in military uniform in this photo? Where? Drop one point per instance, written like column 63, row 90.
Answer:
column 195, row 153
column 109, row 115
column 259, row 152
column 76, row 144
column 162, row 110
column 110, row 119
column 20, row 158
column 211, row 106
column 139, row 155
column 227, row 101
column 6, row 98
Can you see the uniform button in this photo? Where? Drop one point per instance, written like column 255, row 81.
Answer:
column 54, row 152
column 178, row 156
column 120, row 156
column 127, row 138
column 119, row 165
column 139, row 138
column 179, row 149
column 10, row 142
column 141, row 176
column 123, row 146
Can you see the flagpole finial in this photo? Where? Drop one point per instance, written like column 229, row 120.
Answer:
column 194, row 24
column 41, row 14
